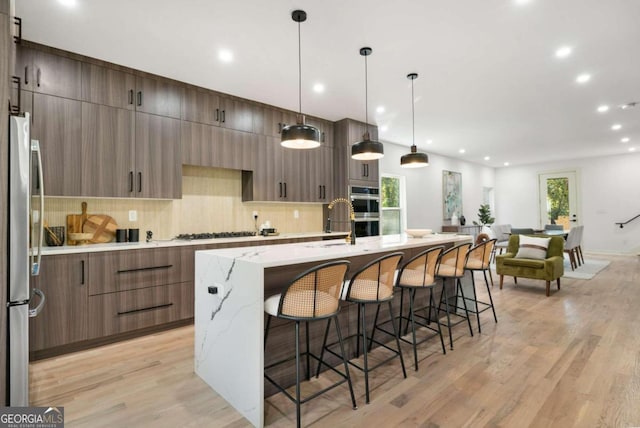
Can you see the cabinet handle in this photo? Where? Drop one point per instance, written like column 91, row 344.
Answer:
column 285, row 189
column 217, row 115
column 139, row 98
column 280, row 184
column 130, row 181
column 144, row 269
column 320, row 192
column 139, row 182
column 26, row 74
column 82, row 270
column 38, row 78
column 148, row 308
column 279, row 127
column 15, row 108
column 224, row 116
column 18, row 23
column 131, row 96
column 322, row 137
column 324, row 192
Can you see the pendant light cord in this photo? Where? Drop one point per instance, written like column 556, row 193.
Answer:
column 299, row 71
column 413, row 115
column 366, row 95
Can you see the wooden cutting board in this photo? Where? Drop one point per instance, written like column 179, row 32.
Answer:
column 75, row 222
column 102, row 226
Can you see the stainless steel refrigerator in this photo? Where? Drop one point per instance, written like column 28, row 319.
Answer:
column 25, row 230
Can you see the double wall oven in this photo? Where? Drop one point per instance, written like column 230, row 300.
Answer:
column 366, row 205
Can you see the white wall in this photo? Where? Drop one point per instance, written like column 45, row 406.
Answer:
column 609, row 192
column 424, row 186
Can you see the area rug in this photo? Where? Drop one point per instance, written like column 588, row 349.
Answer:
column 588, row 270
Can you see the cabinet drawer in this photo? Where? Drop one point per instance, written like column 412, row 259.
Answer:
column 131, row 310
column 128, row 270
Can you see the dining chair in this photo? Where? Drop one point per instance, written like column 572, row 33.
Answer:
column 571, row 246
column 502, row 233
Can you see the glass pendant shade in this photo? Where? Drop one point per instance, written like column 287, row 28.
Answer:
column 414, row 159
column 300, row 135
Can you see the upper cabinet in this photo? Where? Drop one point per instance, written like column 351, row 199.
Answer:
column 109, row 87
column 158, row 96
column 212, row 108
column 348, row 132
column 47, row 73
column 270, row 120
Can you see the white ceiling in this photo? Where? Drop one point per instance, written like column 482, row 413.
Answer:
column 489, row 81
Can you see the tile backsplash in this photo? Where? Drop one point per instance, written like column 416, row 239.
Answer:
column 211, row 202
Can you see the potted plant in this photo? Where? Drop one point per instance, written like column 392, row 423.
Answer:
column 484, row 215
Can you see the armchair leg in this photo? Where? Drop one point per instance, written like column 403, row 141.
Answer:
column 501, row 281
column 558, row 282
column 548, row 287
column 515, row 279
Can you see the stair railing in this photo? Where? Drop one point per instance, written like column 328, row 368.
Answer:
column 628, row 221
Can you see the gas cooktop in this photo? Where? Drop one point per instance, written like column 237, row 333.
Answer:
column 213, row 235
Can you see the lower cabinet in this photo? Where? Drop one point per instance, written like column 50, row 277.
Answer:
column 63, row 318
column 125, row 311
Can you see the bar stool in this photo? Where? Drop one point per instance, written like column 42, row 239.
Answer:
column 478, row 259
column 451, row 267
column 419, row 274
column 313, row 295
column 372, row 284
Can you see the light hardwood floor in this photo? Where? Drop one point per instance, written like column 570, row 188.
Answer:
column 572, row 359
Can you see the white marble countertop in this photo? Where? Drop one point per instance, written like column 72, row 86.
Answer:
column 113, row 246
column 304, row 252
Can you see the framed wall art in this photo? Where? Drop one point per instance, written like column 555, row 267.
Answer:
column 451, row 194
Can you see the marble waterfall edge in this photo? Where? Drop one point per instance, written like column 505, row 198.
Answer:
column 230, row 330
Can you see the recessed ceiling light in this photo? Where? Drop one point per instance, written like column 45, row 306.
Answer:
column 384, row 128
column 487, row 158
column 461, row 151
column 225, row 55
column 429, row 141
column 625, row 140
column 506, row 164
column 522, row 1
column 318, row 88
column 380, row 109
column 632, row 149
column 563, row 51
column 68, row 3
column 629, row 105
column 603, row 108
column 583, row 78
column 616, row 127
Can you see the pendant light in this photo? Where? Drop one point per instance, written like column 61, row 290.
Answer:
column 414, row 159
column 300, row 135
column 366, row 149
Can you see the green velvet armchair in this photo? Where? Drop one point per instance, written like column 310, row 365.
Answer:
column 549, row 269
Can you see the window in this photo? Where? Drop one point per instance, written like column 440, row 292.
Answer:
column 392, row 207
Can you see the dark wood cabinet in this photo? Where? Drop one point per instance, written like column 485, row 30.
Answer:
column 320, row 171
column 211, row 108
column 57, row 125
column 106, row 86
column 46, row 73
column 63, row 320
column 346, row 170
column 212, row 146
column 158, row 157
column 158, row 96
column 108, row 156
column 269, row 121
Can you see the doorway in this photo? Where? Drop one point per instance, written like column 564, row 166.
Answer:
column 559, row 200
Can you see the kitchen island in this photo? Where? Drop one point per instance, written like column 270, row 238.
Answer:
column 230, row 288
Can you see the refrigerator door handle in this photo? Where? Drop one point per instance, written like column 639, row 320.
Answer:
column 35, row 266
column 35, row 311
